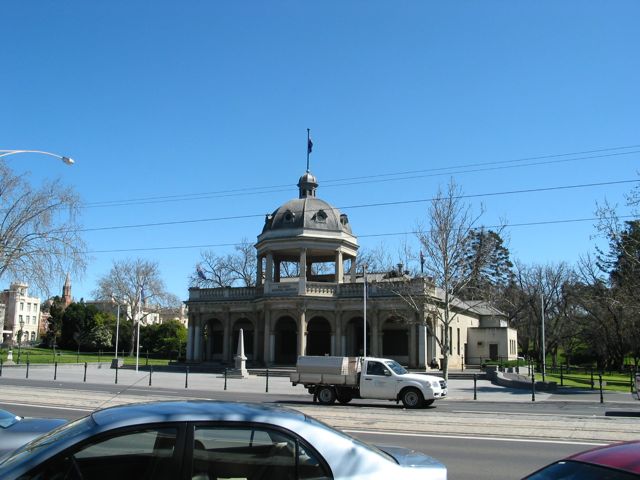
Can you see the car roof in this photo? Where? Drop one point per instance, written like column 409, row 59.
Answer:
column 623, row 456
column 194, row 410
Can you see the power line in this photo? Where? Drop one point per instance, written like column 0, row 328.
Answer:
column 371, row 235
column 366, row 205
column 378, row 178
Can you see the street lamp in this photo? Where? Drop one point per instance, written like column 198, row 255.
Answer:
column 20, row 333
column 113, row 299
column 66, row 160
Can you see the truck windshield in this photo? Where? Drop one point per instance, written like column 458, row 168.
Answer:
column 396, row 367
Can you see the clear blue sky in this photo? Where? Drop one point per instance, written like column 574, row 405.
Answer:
column 172, row 98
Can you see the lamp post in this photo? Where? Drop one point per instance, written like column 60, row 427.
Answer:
column 117, row 325
column 66, row 160
column 20, row 333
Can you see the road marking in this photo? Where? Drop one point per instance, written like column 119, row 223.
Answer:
column 467, row 437
column 54, row 407
column 488, row 412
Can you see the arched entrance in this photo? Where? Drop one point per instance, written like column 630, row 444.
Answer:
column 248, row 333
column 285, row 341
column 395, row 340
column 354, row 337
column 318, row 336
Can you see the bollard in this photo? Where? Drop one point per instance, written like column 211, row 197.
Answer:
column 533, row 387
column 225, row 378
column 475, row 386
column 0, row 367
column 85, row 372
column 561, row 377
column 186, row 377
column 267, row 389
column 78, row 356
column 600, row 381
column 150, row 374
column 592, row 379
column 463, row 363
column 27, row 376
column 55, row 370
column 631, row 379
column 116, row 372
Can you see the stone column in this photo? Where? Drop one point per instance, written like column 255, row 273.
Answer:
column 259, row 272
column 302, row 285
column 413, row 354
column 269, row 273
column 197, row 333
column 226, row 336
column 339, row 269
column 376, row 334
column 423, row 359
column 302, row 333
column 190, row 333
column 352, row 270
column 266, row 355
column 276, row 270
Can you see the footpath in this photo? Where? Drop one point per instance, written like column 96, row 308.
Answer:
column 71, row 389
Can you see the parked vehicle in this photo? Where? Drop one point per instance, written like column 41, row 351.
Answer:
column 206, row 440
column 345, row 378
column 15, row 430
column 618, row 461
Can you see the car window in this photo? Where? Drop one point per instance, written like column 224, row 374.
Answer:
column 569, row 470
column 396, row 367
column 251, row 453
column 376, row 368
column 133, row 455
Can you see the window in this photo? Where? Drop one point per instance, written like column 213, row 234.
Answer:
column 21, row 306
column 20, row 318
column 458, row 346
column 376, row 368
column 28, row 307
column 138, row 455
column 320, row 217
column 252, row 452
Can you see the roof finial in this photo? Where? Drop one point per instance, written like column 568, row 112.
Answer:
column 309, row 147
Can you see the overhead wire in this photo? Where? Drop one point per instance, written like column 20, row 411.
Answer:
column 366, row 205
column 377, row 178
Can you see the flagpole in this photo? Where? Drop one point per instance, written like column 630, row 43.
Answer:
column 308, row 149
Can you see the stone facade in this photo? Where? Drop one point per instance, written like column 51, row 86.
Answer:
column 319, row 311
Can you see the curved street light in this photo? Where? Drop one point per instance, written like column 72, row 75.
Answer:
column 66, row 160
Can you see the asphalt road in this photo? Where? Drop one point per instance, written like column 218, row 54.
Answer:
column 505, row 438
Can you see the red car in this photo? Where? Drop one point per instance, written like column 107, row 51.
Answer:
column 619, row 461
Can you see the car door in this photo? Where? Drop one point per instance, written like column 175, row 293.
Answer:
column 143, row 453
column 378, row 381
column 252, row 452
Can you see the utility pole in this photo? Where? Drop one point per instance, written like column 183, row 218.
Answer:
column 544, row 353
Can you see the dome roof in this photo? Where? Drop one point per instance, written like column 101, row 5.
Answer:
column 307, row 213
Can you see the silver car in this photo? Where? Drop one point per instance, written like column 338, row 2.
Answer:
column 15, row 430
column 206, row 440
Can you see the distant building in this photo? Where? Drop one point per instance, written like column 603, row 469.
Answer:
column 21, row 312
column 313, row 313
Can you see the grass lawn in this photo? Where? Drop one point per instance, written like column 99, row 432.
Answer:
column 46, row 355
column 615, row 382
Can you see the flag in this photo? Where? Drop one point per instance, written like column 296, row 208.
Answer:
column 309, row 145
column 200, row 272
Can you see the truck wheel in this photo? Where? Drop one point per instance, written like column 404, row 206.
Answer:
column 326, row 395
column 344, row 397
column 426, row 403
column 411, row 398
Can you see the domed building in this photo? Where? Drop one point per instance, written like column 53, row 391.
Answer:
column 309, row 299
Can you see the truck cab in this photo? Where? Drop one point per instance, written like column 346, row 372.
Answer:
column 386, row 379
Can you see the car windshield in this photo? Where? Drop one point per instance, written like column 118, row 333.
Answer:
column 67, row 430
column 569, row 470
column 396, row 367
column 371, row 448
column 7, row 419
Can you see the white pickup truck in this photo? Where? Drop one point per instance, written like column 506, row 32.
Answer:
column 344, row 378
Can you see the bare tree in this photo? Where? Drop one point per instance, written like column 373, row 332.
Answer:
column 444, row 241
column 39, row 230
column 138, row 285
column 235, row 268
